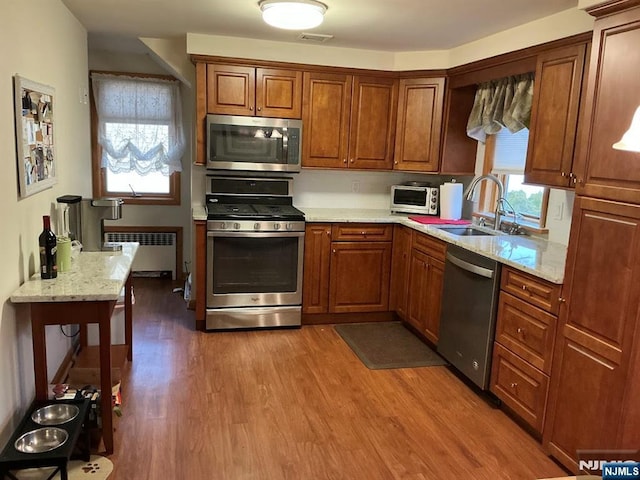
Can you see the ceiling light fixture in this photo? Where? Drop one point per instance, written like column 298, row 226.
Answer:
column 630, row 141
column 293, row 15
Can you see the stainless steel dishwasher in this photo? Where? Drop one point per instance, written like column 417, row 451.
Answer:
column 468, row 315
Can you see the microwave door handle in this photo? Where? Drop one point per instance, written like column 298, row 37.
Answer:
column 285, row 145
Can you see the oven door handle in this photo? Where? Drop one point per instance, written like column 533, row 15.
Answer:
column 255, row 234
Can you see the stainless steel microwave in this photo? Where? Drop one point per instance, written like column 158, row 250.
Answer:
column 414, row 198
column 253, row 143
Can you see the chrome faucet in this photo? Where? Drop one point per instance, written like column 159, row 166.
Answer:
column 468, row 194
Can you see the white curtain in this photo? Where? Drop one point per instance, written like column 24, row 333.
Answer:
column 139, row 123
column 501, row 103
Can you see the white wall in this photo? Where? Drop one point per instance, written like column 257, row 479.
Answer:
column 154, row 215
column 43, row 42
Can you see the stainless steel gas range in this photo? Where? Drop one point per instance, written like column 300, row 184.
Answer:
column 255, row 247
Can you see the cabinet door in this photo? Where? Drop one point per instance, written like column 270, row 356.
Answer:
column 401, row 257
column 360, row 274
column 325, row 112
column 419, row 124
column 230, row 89
column 317, row 250
column 418, row 300
column 587, row 408
column 554, row 116
column 435, row 278
column 612, row 98
column 373, row 123
column 278, row 93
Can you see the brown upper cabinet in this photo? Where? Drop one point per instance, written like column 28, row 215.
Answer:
column 612, row 98
column 419, row 125
column 349, row 121
column 554, row 116
column 249, row 91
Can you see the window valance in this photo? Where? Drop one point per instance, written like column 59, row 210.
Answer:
column 505, row 102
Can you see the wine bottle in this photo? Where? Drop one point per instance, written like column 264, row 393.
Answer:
column 48, row 247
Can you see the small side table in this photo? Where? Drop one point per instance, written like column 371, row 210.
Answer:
column 12, row 459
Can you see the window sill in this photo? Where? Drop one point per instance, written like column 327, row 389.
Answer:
column 527, row 226
column 144, row 199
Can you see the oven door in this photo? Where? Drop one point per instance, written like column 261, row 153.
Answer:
column 254, row 269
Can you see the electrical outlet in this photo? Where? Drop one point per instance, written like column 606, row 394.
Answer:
column 559, row 211
column 355, row 186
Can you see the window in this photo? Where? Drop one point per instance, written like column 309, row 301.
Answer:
column 505, row 157
column 137, row 137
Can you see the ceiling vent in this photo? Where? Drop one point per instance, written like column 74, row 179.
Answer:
column 314, row 37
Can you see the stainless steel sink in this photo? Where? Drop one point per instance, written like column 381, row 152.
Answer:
column 469, row 231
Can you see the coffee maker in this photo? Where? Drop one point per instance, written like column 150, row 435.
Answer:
column 84, row 220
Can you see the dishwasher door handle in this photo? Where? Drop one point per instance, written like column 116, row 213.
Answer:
column 470, row 267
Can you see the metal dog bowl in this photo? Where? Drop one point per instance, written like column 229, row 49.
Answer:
column 41, row 440
column 55, row 414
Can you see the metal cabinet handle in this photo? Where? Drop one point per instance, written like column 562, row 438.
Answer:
column 395, row 163
column 524, row 287
column 251, row 109
column 333, row 251
column 521, row 331
column 352, row 160
column 514, row 385
column 562, row 300
column 328, row 233
column 259, row 109
column 344, row 160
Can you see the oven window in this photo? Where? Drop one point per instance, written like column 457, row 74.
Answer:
column 417, row 198
column 254, row 144
column 255, row 265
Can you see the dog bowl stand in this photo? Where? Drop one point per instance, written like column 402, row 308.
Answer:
column 12, row 459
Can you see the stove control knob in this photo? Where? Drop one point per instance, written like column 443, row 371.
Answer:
column 256, row 226
column 236, row 226
column 289, row 226
column 223, row 226
column 276, row 226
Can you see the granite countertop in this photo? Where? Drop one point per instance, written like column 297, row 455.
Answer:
column 199, row 212
column 536, row 256
column 94, row 276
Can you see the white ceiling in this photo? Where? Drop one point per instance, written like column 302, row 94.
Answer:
column 392, row 25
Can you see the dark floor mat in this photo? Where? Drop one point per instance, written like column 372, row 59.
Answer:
column 387, row 345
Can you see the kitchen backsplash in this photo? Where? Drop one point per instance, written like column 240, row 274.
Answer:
column 351, row 189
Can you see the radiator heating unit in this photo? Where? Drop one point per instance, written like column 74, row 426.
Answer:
column 156, row 255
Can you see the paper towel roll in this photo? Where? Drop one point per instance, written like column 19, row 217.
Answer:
column 451, row 201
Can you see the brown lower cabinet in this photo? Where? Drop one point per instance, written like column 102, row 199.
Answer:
column 595, row 384
column 523, row 348
column 347, row 268
column 417, row 280
column 399, row 294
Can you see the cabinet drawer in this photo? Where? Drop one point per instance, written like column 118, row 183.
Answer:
column 520, row 386
column 431, row 246
column 536, row 291
column 369, row 232
column 526, row 330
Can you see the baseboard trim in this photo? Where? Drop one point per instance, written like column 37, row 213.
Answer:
column 330, row 318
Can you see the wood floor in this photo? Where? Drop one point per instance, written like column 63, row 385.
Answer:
column 297, row 404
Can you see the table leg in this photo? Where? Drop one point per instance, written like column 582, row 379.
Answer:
column 39, row 340
column 128, row 316
column 105, row 377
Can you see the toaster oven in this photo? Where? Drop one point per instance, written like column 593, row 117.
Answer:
column 421, row 199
